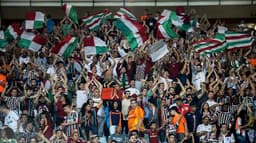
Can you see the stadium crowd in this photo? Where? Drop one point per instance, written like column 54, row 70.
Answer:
column 183, row 97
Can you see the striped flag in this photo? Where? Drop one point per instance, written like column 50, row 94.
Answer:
column 13, row 31
column 134, row 32
column 94, row 45
column 164, row 29
column 126, row 12
column 212, row 45
column 3, row 42
column 237, row 40
column 66, row 47
column 31, row 41
column 71, row 12
column 179, row 21
column 94, row 21
column 34, row 20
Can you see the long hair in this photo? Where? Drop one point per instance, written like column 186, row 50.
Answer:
column 83, row 109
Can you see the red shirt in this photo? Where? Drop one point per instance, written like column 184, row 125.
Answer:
column 184, row 109
column 149, row 65
column 153, row 136
column 174, row 70
column 60, row 110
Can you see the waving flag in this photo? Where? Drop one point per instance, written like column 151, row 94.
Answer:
column 66, row 47
column 124, row 12
column 71, row 12
column 164, row 28
column 179, row 21
column 34, row 20
column 3, row 42
column 31, row 41
column 134, row 32
column 93, row 22
column 13, row 31
column 94, row 45
column 237, row 40
column 212, row 45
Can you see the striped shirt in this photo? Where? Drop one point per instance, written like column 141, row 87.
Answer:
column 27, row 135
column 233, row 108
column 224, row 118
column 13, row 103
column 71, row 118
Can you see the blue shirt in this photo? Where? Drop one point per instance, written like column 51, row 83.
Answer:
column 50, row 25
column 147, row 112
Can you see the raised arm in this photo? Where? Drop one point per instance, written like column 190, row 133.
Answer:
column 78, row 80
column 183, row 90
column 98, row 84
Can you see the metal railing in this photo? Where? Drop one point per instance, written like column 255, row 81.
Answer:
column 95, row 3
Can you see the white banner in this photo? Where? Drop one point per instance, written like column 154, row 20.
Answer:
column 158, row 50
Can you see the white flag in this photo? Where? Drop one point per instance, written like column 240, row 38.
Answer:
column 158, row 50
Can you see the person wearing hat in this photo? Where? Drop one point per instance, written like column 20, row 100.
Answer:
column 204, row 129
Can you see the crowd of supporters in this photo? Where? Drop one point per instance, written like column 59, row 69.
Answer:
column 183, row 97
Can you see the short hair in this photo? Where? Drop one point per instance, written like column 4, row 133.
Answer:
column 174, row 108
column 223, row 125
column 152, row 123
column 178, row 99
column 9, row 132
column 113, row 141
column 134, row 131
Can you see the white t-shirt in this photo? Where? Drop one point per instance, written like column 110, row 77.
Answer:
column 11, row 120
column 203, row 127
column 24, row 60
column 114, row 69
column 227, row 139
column 51, row 71
column 197, row 78
column 211, row 102
column 81, row 98
column 96, row 101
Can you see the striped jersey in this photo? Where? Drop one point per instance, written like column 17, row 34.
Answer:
column 71, row 118
column 224, row 117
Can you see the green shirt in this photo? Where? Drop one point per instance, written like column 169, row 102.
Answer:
column 66, row 28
